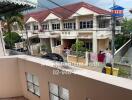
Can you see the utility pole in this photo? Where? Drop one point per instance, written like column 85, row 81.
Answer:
column 28, row 43
column 113, row 32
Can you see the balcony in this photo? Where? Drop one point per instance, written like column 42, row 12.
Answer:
column 69, row 34
column 92, row 84
column 86, row 33
column 49, row 34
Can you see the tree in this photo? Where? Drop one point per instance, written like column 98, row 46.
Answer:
column 120, row 40
column 11, row 39
column 127, row 26
column 78, row 47
column 14, row 17
column 10, row 19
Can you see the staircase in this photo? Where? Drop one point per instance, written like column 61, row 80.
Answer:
column 124, row 54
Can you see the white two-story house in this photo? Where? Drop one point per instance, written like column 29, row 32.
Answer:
column 61, row 26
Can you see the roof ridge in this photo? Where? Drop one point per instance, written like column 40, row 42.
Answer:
column 42, row 10
column 67, row 12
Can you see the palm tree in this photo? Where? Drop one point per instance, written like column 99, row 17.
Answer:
column 14, row 17
column 10, row 19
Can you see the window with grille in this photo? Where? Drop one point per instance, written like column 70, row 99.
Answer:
column 86, row 24
column 28, row 27
column 45, row 27
column 33, row 84
column 58, row 92
column 56, row 26
column 35, row 27
column 69, row 25
column 89, row 44
column 104, row 23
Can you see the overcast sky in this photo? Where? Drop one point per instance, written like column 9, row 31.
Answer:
column 106, row 4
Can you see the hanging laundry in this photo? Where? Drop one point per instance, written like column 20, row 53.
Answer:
column 101, row 57
column 93, row 57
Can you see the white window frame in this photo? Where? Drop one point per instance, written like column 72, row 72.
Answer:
column 45, row 26
column 35, row 27
column 56, row 26
column 33, row 84
column 69, row 25
column 58, row 92
column 28, row 27
column 88, row 24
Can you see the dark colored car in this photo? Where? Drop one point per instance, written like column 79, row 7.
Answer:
column 53, row 56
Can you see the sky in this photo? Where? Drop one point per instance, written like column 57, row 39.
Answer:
column 105, row 4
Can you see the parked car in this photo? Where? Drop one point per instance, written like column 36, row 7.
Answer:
column 53, row 56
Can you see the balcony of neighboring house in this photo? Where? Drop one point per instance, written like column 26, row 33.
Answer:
column 50, row 29
column 86, row 25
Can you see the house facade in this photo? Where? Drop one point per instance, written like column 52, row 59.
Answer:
column 60, row 27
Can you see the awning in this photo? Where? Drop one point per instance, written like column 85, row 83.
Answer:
column 7, row 6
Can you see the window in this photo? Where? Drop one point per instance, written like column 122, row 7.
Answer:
column 89, row 45
column 45, row 27
column 69, row 25
column 57, row 42
column 33, row 84
column 86, row 24
column 103, row 23
column 28, row 27
column 35, row 27
column 58, row 92
column 56, row 26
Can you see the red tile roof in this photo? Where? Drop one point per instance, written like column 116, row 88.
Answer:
column 63, row 13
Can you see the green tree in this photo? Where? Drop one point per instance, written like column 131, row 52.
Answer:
column 12, row 38
column 120, row 40
column 10, row 19
column 78, row 47
column 127, row 26
column 14, row 17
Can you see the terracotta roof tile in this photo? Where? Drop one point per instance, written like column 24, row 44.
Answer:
column 63, row 13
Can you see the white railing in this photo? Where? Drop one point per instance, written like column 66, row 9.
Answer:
column 121, row 51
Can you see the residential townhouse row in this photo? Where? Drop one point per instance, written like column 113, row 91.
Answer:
column 61, row 26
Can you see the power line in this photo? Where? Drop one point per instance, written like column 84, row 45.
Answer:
column 63, row 7
column 49, row 8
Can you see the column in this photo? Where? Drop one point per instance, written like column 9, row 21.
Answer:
column 51, row 44
column 50, row 25
column 61, row 25
column 77, row 23
column 95, row 39
column 62, row 42
column 2, row 44
column 61, row 28
column 31, row 26
column 87, row 58
column 39, row 26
